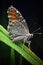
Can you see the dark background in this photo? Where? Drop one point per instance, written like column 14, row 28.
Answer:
column 32, row 11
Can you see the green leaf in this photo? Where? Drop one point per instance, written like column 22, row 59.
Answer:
column 12, row 57
column 22, row 49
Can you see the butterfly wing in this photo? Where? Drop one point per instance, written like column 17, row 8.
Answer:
column 17, row 24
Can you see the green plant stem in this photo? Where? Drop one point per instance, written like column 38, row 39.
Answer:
column 12, row 57
column 25, row 52
column 20, row 62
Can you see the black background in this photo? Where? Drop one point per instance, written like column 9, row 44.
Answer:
column 32, row 11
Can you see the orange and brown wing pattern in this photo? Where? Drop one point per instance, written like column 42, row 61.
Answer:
column 13, row 14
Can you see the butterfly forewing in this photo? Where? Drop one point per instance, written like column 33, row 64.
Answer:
column 19, row 25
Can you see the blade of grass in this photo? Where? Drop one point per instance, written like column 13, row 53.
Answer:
column 20, row 61
column 26, row 55
column 2, row 29
column 29, row 52
column 12, row 57
column 12, row 45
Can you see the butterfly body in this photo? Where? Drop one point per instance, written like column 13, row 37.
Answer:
column 17, row 26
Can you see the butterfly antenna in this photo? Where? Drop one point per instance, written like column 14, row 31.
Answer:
column 36, row 31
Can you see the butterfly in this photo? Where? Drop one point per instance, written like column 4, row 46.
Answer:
column 17, row 26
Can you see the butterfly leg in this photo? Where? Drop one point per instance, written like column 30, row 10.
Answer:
column 18, row 38
column 28, row 42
